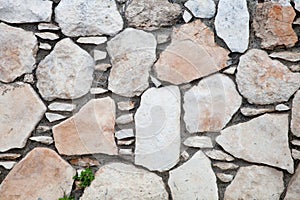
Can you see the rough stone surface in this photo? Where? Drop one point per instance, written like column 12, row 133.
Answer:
column 198, row 142
column 88, row 18
column 261, row 140
column 187, row 16
column 232, row 24
column 47, row 35
column 45, row 46
column 282, row 107
column 60, row 106
column 286, row 55
column 125, row 119
column 201, row 8
column 132, row 54
column 42, row 169
column 188, row 181
column 225, row 165
column 42, row 139
column 89, row 131
column 255, row 182
column 218, row 155
column 157, row 123
column 52, row 117
column 210, row 105
column 67, row 72
column 295, row 122
column 224, row 177
column 296, row 154
column 151, row 15
column 122, row 181
column 92, row 40
column 296, row 142
column 48, row 26
column 8, row 164
column 124, row 133
column 192, row 54
column 253, row 111
column 18, row 49
column 262, row 80
column 273, row 24
column 18, row 11
column 293, row 189
column 125, row 105
column 9, row 156
column 20, row 111
column 84, row 162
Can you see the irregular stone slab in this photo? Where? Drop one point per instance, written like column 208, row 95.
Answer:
column 255, row 182
column 157, row 125
column 198, row 142
column 132, row 54
column 122, row 181
column 225, row 178
column 210, row 105
column 60, row 106
column 273, row 25
column 262, row 80
column 156, row 82
column 52, row 117
column 188, row 182
column 125, row 142
column 20, row 111
column 296, row 154
column 7, row 165
column 42, row 129
column 230, row 70
column 162, row 35
column 232, row 24
column 42, row 174
column 270, row 146
column 124, row 133
column 125, row 119
column 18, row 50
column 286, row 55
column 293, row 192
column 295, row 122
column 66, row 73
column 89, row 131
column 84, row 162
column 187, row 16
column 192, row 54
column 47, row 36
column 9, row 156
column 45, row 46
column 99, row 55
column 48, row 26
column 253, row 111
column 92, row 40
column 201, row 8
column 218, row 155
column 295, row 68
column 42, row 139
column 225, row 165
column 102, row 67
column 18, row 11
column 296, row 142
column 28, row 78
column 125, row 105
column 98, row 90
column 151, row 15
column 282, row 107
column 88, row 18
column 127, row 152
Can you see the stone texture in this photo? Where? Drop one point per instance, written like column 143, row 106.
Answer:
column 282, row 107
column 60, row 106
column 45, row 46
column 253, row 111
column 151, row 15
column 18, row 49
column 42, row 139
column 92, row 40
column 98, row 90
column 162, row 35
column 18, row 11
column 125, row 142
column 262, row 80
column 132, row 54
column 198, row 142
column 157, row 125
column 125, row 119
column 52, row 117
column 293, row 189
column 88, row 18
column 89, row 131
column 66, row 73
column 201, row 8
column 261, row 140
column 295, row 121
column 232, row 24
column 256, row 182
column 218, row 155
column 102, row 67
column 47, row 36
column 273, row 25
column 20, row 111
column 124, row 133
column 187, row 16
column 126, row 105
column 122, row 181
column 7, row 165
column 286, row 55
column 188, row 181
column 225, row 165
column 48, row 26
column 99, row 55
column 192, row 54
column 42, row 174
column 84, row 162
column 230, row 70
column 9, row 156
column 210, row 105
column 296, row 154
column 296, row 142
column 225, row 178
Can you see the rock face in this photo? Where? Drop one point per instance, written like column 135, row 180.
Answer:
column 273, row 24
column 295, row 122
column 42, row 169
column 232, row 24
column 293, row 189
column 210, row 105
column 255, row 182
column 122, row 181
column 192, row 54
column 89, row 131
column 18, row 11
column 67, row 72
column 261, row 140
column 265, row 81
column 151, row 15
column 18, row 49
column 157, row 123
column 201, row 8
column 88, row 18
column 198, row 142
column 20, row 111
column 132, row 54
column 194, row 179
column 286, row 55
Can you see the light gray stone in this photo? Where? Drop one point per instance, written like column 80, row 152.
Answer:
column 198, row 142
column 297, row 4
column 282, row 107
column 125, row 105
column 52, row 117
column 230, row 70
column 219, row 155
column 124, row 133
column 286, row 55
column 187, row 16
column 48, row 26
column 45, row 46
column 293, row 192
column 60, row 106
column 156, row 82
column 42, row 129
column 47, row 36
column 253, row 111
column 201, row 8
column 28, row 78
column 296, row 142
column 98, row 90
column 295, row 121
column 296, row 154
column 225, row 165
column 92, row 40
column 8, row 164
column 99, row 55
column 125, row 142
column 42, row 139
column 127, row 152
column 9, row 156
column 225, row 178
column 295, row 68
column 102, row 66
column 162, row 35
column 125, row 119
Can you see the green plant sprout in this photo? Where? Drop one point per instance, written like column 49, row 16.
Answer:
column 66, row 198
column 85, row 178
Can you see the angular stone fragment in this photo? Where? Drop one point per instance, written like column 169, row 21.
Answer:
column 98, row 90
column 67, row 72
column 7, row 165
column 225, row 165
column 125, row 105
column 124, row 133
column 125, row 119
column 188, row 182
column 232, row 24
column 42, row 129
column 88, row 18
column 28, row 78
column 201, row 8
column 252, row 111
column 187, row 16
column 18, row 11
column 282, row 107
column 157, row 123
column 60, row 106
column 42, row 139
column 102, row 67
column 192, row 54
column 47, row 35
column 20, row 111
column 9, row 156
column 262, row 80
column 293, row 189
column 45, row 46
column 151, row 15
column 286, row 55
column 122, row 181
column 296, row 154
column 273, row 24
column 132, row 54
column 99, row 55
column 89, row 131
column 218, row 155
column 210, row 105
column 84, row 162
column 296, row 142
column 224, row 177
column 162, row 35
column 128, row 152
column 125, row 142
column 261, row 140
column 92, row 40
column 295, row 68
column 52, row 117
column 18, row 49
column 48, row 26
column 156, row 82
column 295, row 122
column 230, row 70
column 198, row 142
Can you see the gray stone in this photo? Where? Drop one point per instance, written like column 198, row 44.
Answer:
column 124, row 133
column 187, row 16
column 286, row 55
column 42, row 139
column 295, row 121
column 7, row 165
column 98, row 90
column 125, row 105
column 296, row 154
column 198, row 142
column 28, row 78
column 99, row 55
column 225, row 165
column 127, row 152
column 48, row 26
column 125, row 119
column 282, row 107
column 52, row 117
column 253, row 111
column 9, row 156
column 102, row 66
column 218, row 155
column 45, row 46
column 296, row 142
column 201, row 8
column 60, row 106
column 92, row 40
column 230, row 70
column 293, row 192
column 47, row 36
column 225, row 178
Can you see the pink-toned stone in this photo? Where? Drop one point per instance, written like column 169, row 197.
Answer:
column 89, row 131
column 192, row 54
column 84, row 162
column 42, row 174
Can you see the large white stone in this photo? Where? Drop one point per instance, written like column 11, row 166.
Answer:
column 295, row 122
column 201, row 8
column 157, row 123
